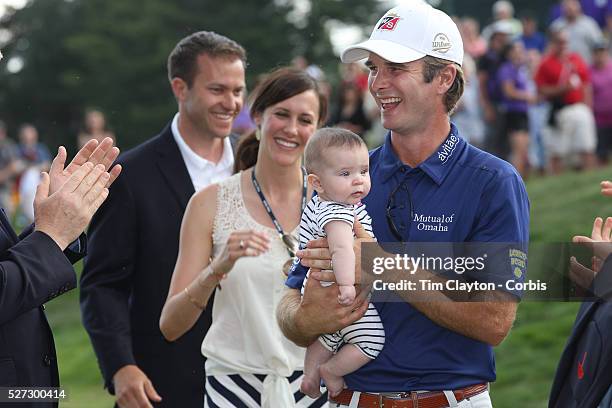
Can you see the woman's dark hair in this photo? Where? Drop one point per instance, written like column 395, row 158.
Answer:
column 278, row 85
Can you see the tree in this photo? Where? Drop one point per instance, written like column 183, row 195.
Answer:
column 111, row 54
column 313, row 36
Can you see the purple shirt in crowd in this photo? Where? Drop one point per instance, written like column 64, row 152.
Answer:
column 602, row 94
column 597, row 9
column 519, row 75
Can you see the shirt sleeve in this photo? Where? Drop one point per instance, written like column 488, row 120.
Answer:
column 364, row 219
column 503, row 232
column 327, row 211
column 32, row 272
column 296, row 276
column 330, row 211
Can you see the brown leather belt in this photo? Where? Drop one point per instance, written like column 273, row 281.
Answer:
column 433, row 399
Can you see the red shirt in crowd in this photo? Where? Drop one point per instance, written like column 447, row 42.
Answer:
column 555, row 71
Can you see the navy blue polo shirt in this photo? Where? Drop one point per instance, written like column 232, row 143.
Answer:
column 488, row 203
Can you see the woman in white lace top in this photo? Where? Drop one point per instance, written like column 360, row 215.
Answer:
column 239, row 224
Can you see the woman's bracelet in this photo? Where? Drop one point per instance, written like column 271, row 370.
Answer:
column 192, row 299
column 208, row 271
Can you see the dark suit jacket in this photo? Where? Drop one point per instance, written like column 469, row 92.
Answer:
column 33, row 270
column 584, row 373
column 133, row 246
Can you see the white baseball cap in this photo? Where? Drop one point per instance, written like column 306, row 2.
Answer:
column 409, row 32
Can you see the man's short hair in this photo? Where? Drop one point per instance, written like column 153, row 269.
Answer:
column 182, row 61
column 432, row 67
column 324, row 139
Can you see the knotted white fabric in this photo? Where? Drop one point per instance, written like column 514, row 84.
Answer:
column 276, row 392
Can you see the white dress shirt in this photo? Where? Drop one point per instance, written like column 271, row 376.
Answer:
column 203, row 172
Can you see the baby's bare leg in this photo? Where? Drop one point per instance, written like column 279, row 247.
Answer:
column 316, row 354
column 347, row 360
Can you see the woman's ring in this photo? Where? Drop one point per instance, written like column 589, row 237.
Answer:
column 241, row 244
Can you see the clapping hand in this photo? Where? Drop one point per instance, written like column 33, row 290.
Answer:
column 67, row 198
column 103, row 153
column 600, row 243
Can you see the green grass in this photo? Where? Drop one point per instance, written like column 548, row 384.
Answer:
column 560, row 208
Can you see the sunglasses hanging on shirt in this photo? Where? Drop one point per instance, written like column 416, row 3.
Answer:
column 290, row 242
column 393, row 207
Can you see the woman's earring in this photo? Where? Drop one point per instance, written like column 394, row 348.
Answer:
column 258, row 134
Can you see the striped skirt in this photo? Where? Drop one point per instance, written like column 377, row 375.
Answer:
column 244, row 391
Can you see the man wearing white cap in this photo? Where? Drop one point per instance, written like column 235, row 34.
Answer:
column 428, row 185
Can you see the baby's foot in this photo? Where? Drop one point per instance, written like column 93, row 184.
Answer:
column 334, row 383
column 310, row 387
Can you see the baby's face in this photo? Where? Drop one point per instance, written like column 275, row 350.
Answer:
column 344, row 175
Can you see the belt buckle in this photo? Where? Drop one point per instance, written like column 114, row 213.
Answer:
column 395, row 395
column 391, row 395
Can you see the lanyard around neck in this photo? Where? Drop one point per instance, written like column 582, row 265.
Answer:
column 267, row 205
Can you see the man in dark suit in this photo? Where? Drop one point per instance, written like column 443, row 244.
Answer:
column 584, row 378
column 134, row 238
column 36, row 266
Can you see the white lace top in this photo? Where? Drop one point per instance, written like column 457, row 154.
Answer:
column 244, row 336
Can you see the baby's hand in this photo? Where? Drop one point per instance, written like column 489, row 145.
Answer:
column 347, row 294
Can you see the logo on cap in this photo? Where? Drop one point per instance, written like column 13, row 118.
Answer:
column 388, row 22
column 441, row 43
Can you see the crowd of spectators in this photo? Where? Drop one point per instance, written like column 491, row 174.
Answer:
column 23, row 160
column 541, row 99
column 538, row 91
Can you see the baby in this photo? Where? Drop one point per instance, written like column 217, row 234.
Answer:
column 337, row 163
